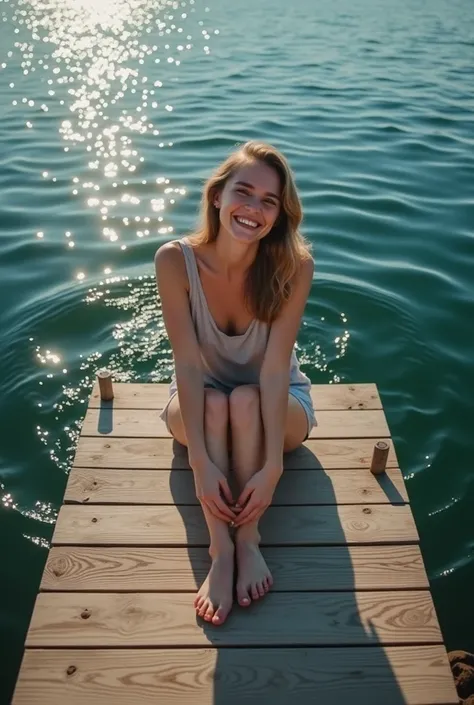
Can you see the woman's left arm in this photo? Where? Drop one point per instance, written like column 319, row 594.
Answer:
column 275, row 371
column 257, row 494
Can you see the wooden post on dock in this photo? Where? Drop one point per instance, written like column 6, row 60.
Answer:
column 104, row 378
column 379, row 458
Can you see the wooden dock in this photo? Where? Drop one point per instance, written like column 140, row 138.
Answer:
column 350, row 617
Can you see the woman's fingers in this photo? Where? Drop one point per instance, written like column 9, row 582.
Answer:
column 247, row 512
column 253, row 516
column 226, row 490
column 244, row 495
column 222, row 506
column 214, row 509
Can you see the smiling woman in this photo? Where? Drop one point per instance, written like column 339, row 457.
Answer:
column 232, row 296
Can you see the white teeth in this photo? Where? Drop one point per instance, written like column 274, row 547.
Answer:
column 244, row 221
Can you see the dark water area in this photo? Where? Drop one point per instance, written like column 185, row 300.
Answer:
column 112, row 115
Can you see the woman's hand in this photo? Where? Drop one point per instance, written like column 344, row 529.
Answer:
column 210, row 483
column 258, row 493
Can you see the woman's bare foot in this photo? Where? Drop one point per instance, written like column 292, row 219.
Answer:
column 214, row 599
column 254, row 579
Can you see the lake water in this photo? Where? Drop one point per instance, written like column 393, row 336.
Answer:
column 113, row 112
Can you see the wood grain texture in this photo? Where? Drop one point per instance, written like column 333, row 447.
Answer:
column 154, row 396
column 169, row 619
column 146, row 423
column 403, row 675
column 165, row 453
column 118, row 486
column 121, row 569
column 181, row 526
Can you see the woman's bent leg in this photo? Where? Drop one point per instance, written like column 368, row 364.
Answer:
column 214, row 599
column 254, row 578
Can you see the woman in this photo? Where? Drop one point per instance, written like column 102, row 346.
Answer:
column 232, row 296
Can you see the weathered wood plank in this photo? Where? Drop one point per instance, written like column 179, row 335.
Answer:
column 129, row 395
column 106, row 486
column 146, row 423
column 76, row 568
column 165, row 453
column 299, row 618
column 401, row 675
column 280, row 526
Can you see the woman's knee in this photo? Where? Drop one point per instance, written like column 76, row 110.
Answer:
column 244, row 405
column 216, row 410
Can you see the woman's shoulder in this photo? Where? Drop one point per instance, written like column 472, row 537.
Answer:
column 169, row 260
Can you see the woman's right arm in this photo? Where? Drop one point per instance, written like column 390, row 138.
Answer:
column 172, row 283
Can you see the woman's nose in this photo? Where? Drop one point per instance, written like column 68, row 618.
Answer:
column 253, row 203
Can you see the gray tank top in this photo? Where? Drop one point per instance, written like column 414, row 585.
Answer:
column 229, row 360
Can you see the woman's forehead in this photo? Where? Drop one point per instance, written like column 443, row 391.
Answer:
column 260, row 176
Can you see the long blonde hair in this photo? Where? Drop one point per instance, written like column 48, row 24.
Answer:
column 270, row 277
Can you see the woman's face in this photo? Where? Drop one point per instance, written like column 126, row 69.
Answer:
column 249, row 203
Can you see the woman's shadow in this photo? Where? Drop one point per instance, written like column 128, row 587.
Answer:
column 304, row 638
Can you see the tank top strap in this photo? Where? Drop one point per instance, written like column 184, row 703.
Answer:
column 193, row 273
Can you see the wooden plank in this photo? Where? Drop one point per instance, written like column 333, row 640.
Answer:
column 76, row 568
column 403, row 675
column 287, row 619
column 146, row 423
column 129, row 395
column 180, row 526
column 106, row 486
column 165, row 453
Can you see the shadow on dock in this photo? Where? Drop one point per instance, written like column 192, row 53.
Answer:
column 272, row 651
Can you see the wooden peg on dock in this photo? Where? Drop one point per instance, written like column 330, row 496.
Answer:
column 105, row 385
column 379, row 458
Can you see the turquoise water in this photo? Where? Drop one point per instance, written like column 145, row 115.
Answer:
column 112, row 115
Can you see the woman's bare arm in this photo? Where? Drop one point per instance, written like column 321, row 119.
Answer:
column 172, row 283
column 275, row 371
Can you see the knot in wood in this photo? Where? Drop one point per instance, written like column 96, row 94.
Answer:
column 107, row 445
column 71, row 670
column 85, row 614
column 367, row 510
column 58, row 568
column 94, row 520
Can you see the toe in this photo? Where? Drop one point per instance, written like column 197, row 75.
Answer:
column 198, row 602
column 203, row 609
column 260, row 589
column 209, row 613
column 220, row 615
column 254, row 592
column 243, row 596
column 265, row 584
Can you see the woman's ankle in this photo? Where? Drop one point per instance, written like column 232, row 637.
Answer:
column 221, row 548
column 248, row 533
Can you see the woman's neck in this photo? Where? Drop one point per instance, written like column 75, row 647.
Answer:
column 233, row 258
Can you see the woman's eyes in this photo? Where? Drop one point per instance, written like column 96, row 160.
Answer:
column 266, row 200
